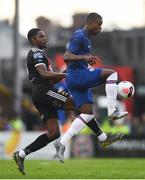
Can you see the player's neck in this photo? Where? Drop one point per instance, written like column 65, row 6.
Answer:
column 37, row 47
column 86, row 29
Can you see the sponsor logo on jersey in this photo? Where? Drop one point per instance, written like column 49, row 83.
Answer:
column 38, row 55
column 91, row 68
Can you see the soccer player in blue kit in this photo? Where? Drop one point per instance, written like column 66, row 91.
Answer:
column 81, row 76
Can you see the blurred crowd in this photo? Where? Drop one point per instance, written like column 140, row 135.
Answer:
column 30, row 121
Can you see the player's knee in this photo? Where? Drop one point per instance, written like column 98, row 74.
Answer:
column 86, row 109
column 110, row 72
column 113, row 76
column 53, row 135
column 86, row 117
column 107, row 74
column 56, row 136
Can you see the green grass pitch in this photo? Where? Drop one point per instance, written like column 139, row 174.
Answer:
column 97, row 168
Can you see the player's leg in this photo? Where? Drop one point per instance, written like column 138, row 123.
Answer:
column 93, row 124
column 78, row 124
column 110, row 77
column 84, row 100
column 97, row 76
column 49, row 118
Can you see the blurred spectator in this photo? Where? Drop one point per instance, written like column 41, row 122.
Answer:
column 4, row 123
column 142, row 129
column 30, row 116
column 15, row 122
column 138, row 125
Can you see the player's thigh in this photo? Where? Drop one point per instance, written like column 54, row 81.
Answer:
column 58, row 100
column 93, row 77
column 50, row 98
column 52, row 126
column 86, row 108
column 84, row 79
column 49, row 117
column 46, row 112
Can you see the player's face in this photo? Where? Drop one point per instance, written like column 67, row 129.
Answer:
column 95, row 27
column 40, row 40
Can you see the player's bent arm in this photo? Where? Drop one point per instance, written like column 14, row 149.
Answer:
column 45, row 74
column 69, row 57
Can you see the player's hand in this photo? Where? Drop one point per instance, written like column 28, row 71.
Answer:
column 89, row 60
column 64, row 93
column 93, row 60
column 96, row 58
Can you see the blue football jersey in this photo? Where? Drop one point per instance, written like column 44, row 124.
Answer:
column 81, row 77
column 79, row 44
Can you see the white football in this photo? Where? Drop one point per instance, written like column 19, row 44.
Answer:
column 125, row 89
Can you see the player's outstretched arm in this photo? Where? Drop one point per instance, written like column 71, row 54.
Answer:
column 45, row 74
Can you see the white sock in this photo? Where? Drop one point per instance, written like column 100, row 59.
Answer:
column 102, row 137
column 22, row 153
column 77, row 125
column 111, row 92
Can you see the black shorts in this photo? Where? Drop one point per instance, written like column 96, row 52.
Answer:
column 48, row 102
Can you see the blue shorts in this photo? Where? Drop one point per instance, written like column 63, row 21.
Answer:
column 62, row 116
column 80, row 81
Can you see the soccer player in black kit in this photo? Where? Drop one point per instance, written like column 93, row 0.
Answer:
column 45, row 98
column 48, row 100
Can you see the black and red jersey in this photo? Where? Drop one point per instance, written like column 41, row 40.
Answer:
column 36, row 57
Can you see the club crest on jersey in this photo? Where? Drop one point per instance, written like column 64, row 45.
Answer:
column 38, row 55
column 91, row 68
column 67, row 45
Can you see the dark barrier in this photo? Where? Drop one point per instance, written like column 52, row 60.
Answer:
column 87, row 146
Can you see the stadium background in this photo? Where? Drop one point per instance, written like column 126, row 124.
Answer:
column 120, row 49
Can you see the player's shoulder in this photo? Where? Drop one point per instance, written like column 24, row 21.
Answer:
column 35, row 53
column 34, row 50
column 78, row 34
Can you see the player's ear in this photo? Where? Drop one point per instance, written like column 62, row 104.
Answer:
column 33, row 39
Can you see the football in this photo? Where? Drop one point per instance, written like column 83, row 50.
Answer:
column 125, row 89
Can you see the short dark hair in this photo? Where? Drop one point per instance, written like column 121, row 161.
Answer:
column 32, row 32
column 93, row 16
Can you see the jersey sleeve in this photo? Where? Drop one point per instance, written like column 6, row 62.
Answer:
column 38, row 57
column 74, row 45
